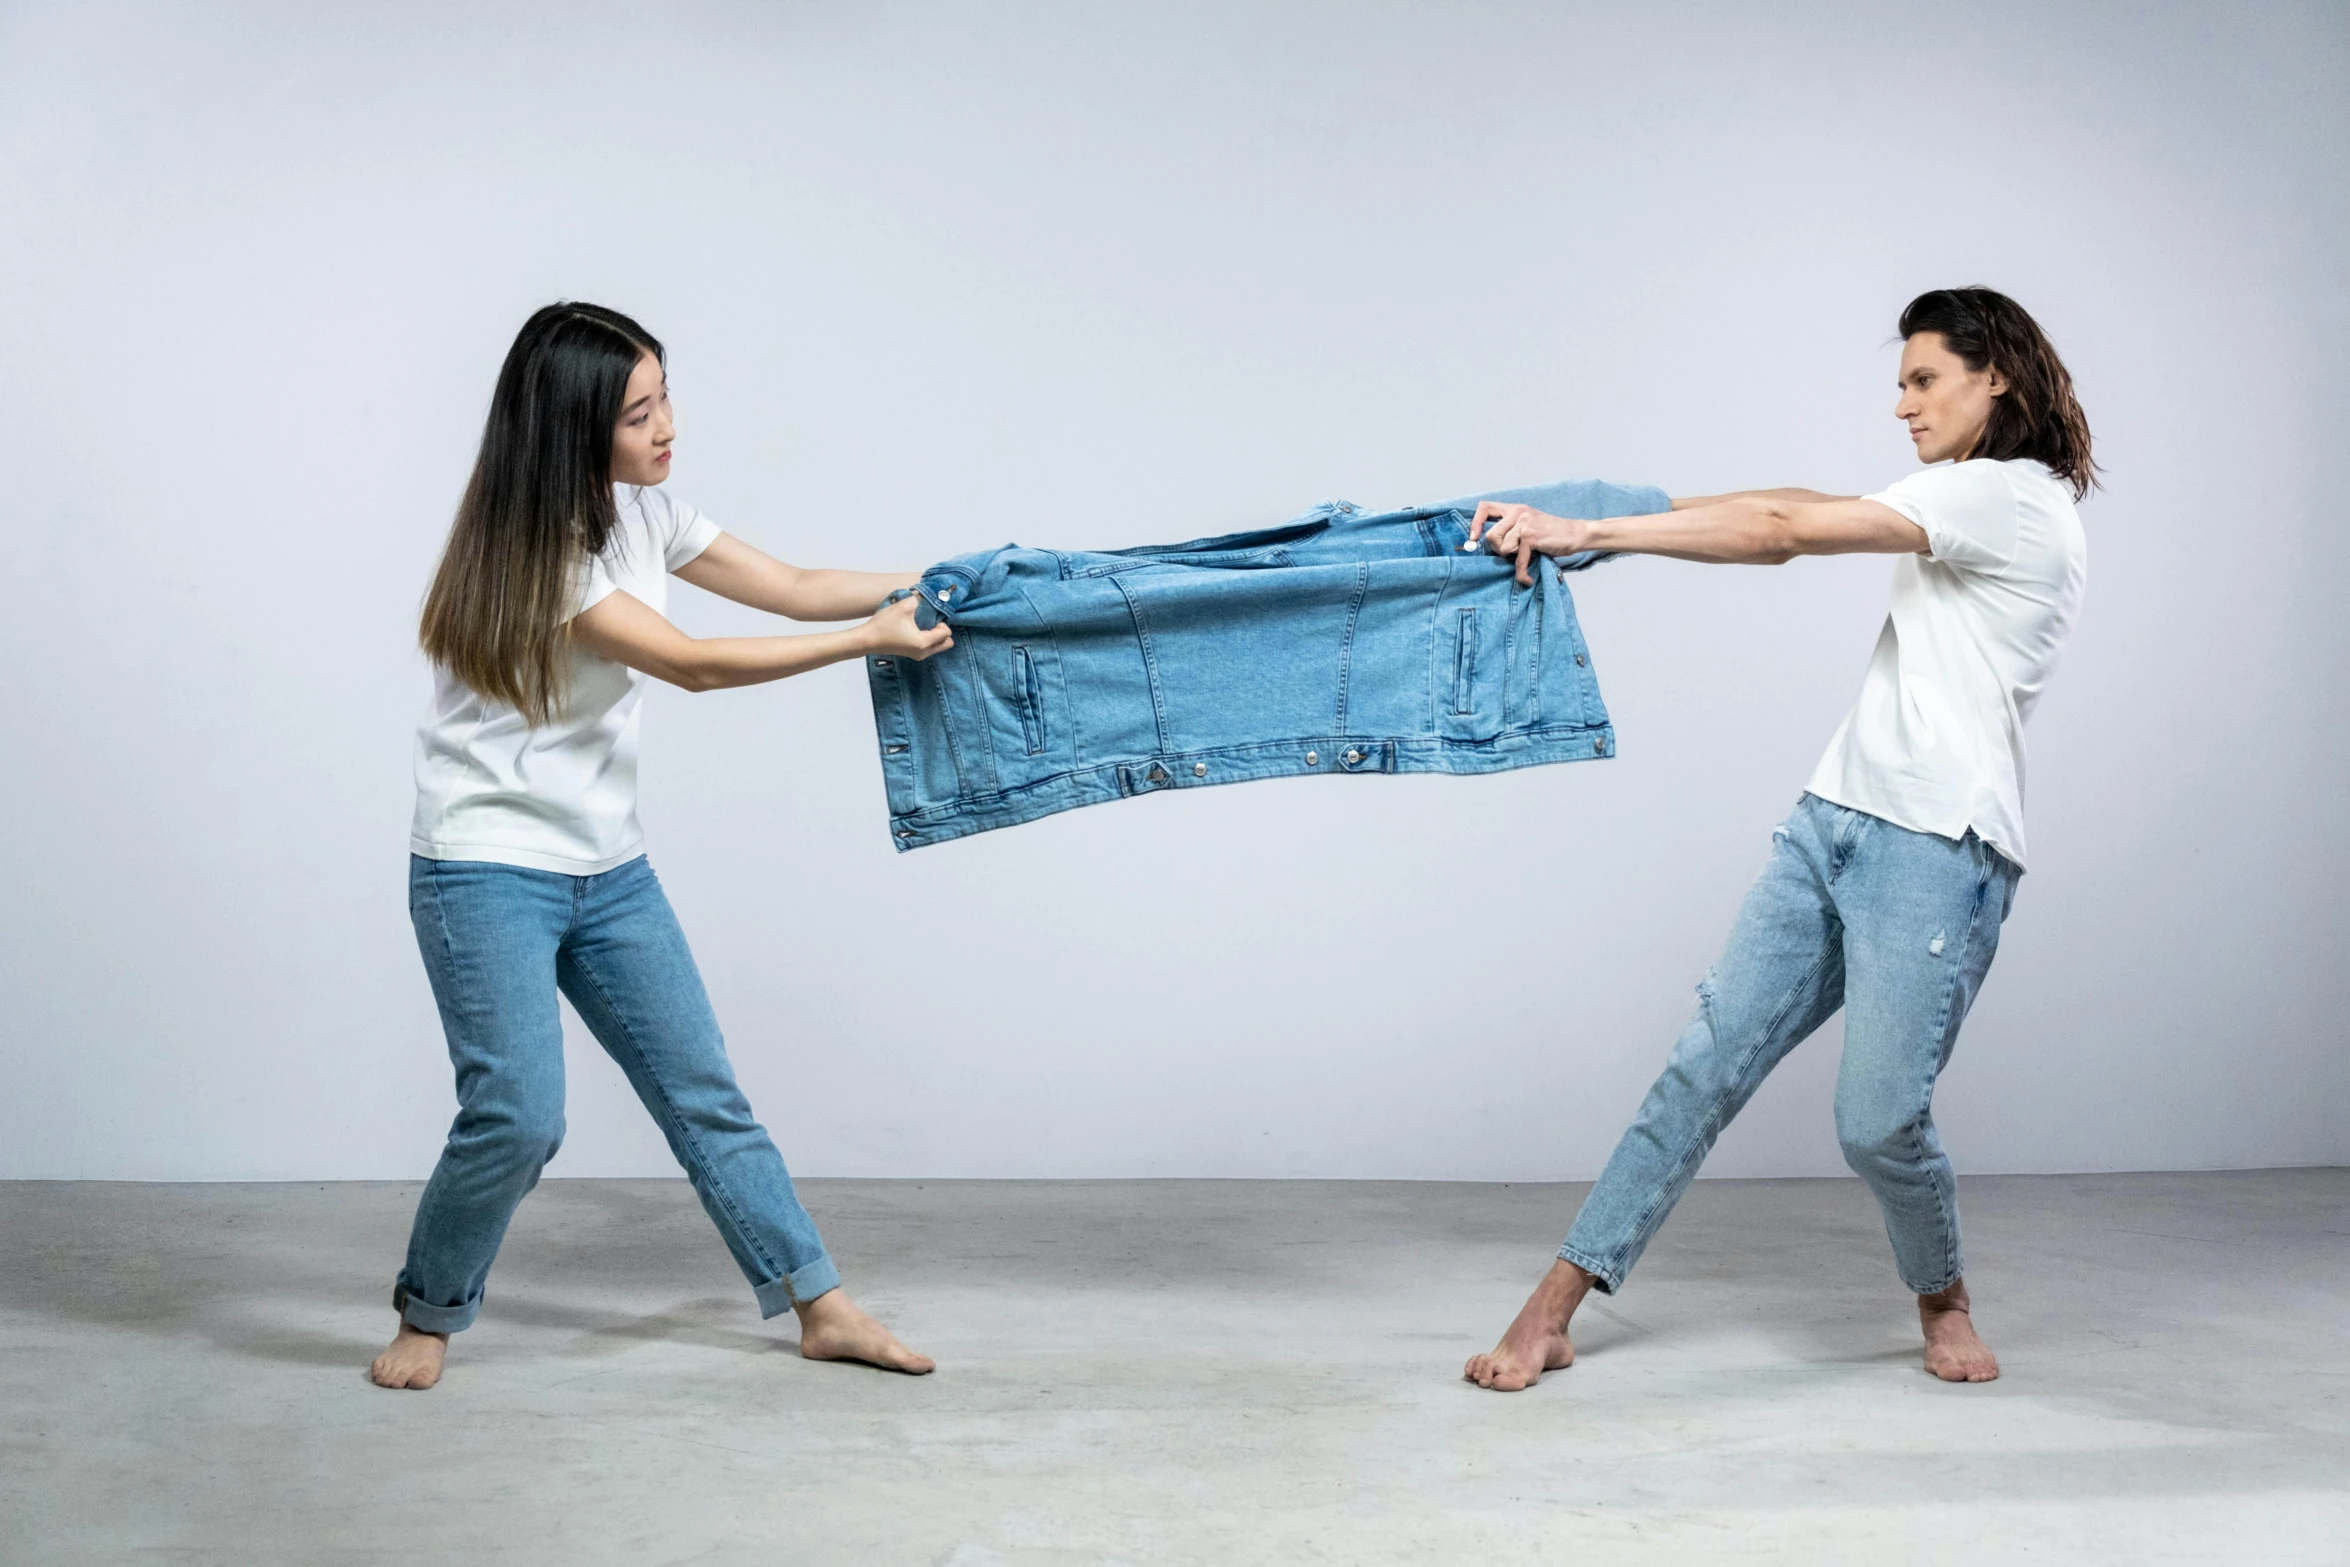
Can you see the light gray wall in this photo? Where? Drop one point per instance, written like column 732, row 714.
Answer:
column 936, row 277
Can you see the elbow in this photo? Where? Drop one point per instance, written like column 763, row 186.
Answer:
column 1772, row 536
column 693, row 676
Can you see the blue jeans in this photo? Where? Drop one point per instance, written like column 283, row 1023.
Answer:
column 1896, row 927
column 1343, row 641
column 498, row 942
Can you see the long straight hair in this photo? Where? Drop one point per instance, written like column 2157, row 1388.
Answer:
column 2037, row 416
column 538, row 507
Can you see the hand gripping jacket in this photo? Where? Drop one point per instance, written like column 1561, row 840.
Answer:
column 1343, row 641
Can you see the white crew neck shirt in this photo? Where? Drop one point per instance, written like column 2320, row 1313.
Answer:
column 561, row 797
column 1936, row 741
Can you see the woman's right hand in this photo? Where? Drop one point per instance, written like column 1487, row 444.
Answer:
column 892, row 630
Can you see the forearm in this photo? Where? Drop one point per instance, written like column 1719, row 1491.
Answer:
column 720, row 663
column 841, row 595
column 734, row 570
column 1750, row 529
column 1689, row 502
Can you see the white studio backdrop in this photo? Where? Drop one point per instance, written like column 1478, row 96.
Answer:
column 935, row 277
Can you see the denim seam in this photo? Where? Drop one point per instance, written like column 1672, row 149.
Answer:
column 726, row 1198
column 1150, row 662
column 1539, row 610
column 1346, row 645
column 1513, row 611
column 946, row 724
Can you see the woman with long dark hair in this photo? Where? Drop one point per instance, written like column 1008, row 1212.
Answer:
column 527, row 874
column 1886, row 886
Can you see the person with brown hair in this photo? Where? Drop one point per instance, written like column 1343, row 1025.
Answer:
column 527, row 875
column 1886, row 887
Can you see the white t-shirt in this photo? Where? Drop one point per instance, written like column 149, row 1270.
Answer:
column 1936, row 741
column 561, row 797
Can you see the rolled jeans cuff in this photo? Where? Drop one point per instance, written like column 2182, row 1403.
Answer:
column 1603, row 1279
column 433, row 1319
column 778, row 1296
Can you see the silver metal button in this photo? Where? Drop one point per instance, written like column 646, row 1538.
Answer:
column 1313, row 758
column 1199, row 769
column 947, row 592
column 881, row 663
column 1599, row 748
column 905, row 832
column 1157, row 774
column 1578, row 661
column 1353, row 756
column 895, row 749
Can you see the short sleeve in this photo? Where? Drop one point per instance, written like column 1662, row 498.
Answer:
column 595, row 587
column 1968, row 512
column 688, row 534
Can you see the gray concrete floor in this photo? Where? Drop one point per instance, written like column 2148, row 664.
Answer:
column 1202, row 1371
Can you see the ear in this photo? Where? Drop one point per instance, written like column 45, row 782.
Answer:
column 1994, row 382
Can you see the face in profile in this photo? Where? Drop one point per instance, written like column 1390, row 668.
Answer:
column 1946, row 406
column 641, row 438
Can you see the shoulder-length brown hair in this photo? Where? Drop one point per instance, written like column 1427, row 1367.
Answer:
column 2037, row 416
column 539, row 505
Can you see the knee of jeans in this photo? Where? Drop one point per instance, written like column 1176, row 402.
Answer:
column 1872, row 1136
column 529, row 1134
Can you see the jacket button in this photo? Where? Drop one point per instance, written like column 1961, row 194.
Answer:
column 1578, row 661
column 905, row 832
column 1313, row 758
column 1157, row 773
column 1599, row 748
column 1199, row 769
column 1352, row 756
column 895, row 749
column 881, row 663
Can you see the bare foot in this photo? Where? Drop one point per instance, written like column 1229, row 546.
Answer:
column 412, row 1360
column 1537, row 1341
column 1953, row 1353
column 832, row 1328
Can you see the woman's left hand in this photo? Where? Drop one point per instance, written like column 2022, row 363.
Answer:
column 1509, row 529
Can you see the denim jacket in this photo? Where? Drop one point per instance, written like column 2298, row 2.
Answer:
column 1343, row 641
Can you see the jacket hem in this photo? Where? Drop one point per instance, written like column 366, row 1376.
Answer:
column 1210, row 766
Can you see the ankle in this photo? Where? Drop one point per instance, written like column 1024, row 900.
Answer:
column 824, row 1308
column 1951, row 1299
column 1560, row 1293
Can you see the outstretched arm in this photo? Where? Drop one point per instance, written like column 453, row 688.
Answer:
column 734, row 570
column 1686, row 502
column 1757, row 528
column 627, row 630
